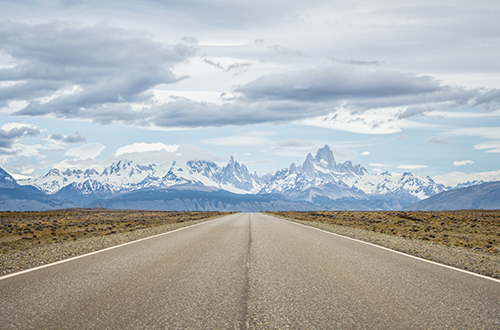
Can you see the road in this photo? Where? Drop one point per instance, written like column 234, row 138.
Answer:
column 248, row 271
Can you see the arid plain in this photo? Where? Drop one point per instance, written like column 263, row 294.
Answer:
column 466, row 239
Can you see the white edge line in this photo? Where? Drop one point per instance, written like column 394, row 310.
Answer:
column 391, row 250
column 103, row 250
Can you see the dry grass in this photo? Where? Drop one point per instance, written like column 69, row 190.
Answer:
column 24, row 230
column 473, row 229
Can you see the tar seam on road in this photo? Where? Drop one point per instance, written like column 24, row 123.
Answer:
column 394, row 251
column 245, row 322
column 103, row 250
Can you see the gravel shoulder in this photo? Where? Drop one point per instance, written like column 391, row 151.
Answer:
column 477, row 261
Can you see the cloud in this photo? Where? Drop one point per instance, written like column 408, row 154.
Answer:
column 141, row 153
column 412, row 167
column 88, row 151
column 454, row 178
column 375, row 121
column 365, row 153
column 438, row 140
column 213, row 63
column 236, row 67
column 463, row 163
column 239, row 67
column 107, row 75
column 413, row 112
column 489, row 146
column 65, row 70
column 77, row 138
column 335, row 83
column 146, row 147
column 11, row 132
column 490, row 133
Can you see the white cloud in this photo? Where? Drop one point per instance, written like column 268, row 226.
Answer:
column 88, row 151
column 489, row 146
column 376, row 121
column 146, row 147
column 454, row 178
column 365, row 153
column 412, row 167
column 10, row 126
column 463, row 163
column 12, row 132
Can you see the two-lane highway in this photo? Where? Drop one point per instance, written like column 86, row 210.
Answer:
column 248, row 271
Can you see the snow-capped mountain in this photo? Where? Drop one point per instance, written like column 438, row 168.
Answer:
column 319, row 180
column 485, row 196
column 128, row 176
column 14, row 197
column 6, row 180
column 322, row 176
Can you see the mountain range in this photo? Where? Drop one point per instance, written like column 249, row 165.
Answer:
column 319, row 183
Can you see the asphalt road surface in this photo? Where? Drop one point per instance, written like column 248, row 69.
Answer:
column 248, row 271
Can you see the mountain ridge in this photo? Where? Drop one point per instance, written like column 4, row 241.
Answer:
column 318, row 183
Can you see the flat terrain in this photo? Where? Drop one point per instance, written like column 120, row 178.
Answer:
column 248, row 271
column 467, row 239
column 30, row 239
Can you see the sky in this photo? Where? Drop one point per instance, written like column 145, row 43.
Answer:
column 393, row 85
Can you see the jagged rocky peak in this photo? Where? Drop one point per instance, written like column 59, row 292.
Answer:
column 308, row 166
column 325, row 154
column 235, row 169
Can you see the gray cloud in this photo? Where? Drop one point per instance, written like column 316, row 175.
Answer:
column 77, row 138
column 360, row 88
column 235, row 68
column 213, row 63
column 327, row 83
column 87, row 66
column 106, row 74
column 414, row 112
column 8, row 137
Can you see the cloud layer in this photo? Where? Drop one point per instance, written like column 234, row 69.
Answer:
column 70, row 71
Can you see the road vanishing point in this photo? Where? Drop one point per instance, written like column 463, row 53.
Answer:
column 248, row 271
